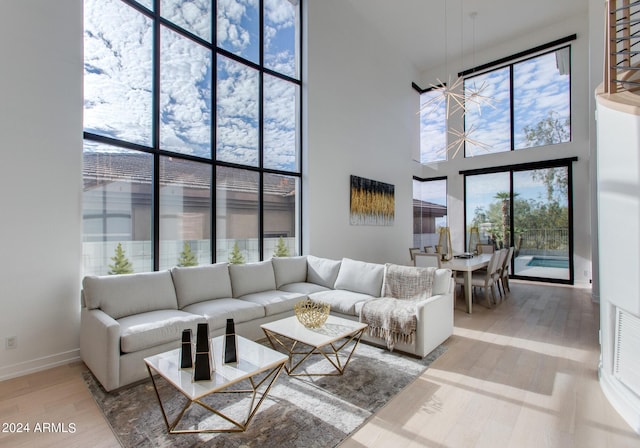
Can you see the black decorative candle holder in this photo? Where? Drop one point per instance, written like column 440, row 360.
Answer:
column 202, row 368
column 230, row 347
column 186, row 355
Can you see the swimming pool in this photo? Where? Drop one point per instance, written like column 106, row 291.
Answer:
column 546, row 262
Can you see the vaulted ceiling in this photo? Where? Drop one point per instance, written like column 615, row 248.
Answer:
column 417, row 28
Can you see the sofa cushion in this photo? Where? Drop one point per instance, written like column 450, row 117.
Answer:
column 341, row 301
column 441, row 281
column 359, row 276
column 274, row 302
column 252, row 277
column 198, row 283
column 217, row 311
column 145, row 330
column 322, row 271
column 289, row 270
column 305, row 288
column 124, row 295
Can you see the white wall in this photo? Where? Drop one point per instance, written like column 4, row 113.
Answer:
column 580, row 145
column 40, row 182
column 361, row 120
column 596, row 64
column 619, row 236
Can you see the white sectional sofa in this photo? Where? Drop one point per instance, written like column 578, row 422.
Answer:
column 125, row 318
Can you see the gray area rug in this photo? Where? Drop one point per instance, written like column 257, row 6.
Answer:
column 298, row 412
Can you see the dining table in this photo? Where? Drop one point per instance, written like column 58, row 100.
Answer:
column 467, row 266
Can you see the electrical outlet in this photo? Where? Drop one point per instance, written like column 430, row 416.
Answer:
column 11, row 342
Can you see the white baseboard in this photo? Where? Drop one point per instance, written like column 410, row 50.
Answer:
column 39, row 364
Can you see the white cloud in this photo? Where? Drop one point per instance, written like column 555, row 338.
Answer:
column 192, row 15
column 185, row 90
column 280, row 13
column 237, row 113
column 280, row 112
column 118, row 83
column 433, row 127
column 491, row 124
column 279, row 36
column 237, row 22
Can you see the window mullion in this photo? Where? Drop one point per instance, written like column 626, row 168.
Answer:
column 261, row 134
column 511, row 110
column 155, row 199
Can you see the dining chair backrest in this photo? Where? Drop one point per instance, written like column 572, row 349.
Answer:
column 501, row 258
column 427, row 260
column 485, row 248
column 492, row 267
column 429, row 249
column 506, row 265
column 413, row 251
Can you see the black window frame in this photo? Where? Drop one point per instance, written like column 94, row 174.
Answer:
column 420, row 91
column 432, row 179
column 157, row 152
column 556, row 163
column 509, row 62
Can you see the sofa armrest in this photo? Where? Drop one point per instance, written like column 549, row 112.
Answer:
column 435, row 322
column 100, row 346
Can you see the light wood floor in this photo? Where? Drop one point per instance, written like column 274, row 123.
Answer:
column 521, row 375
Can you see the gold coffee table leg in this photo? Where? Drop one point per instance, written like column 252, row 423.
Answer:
column 267, row 382
column 331, row 352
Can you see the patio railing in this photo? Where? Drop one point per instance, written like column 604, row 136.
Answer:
column 533, row 241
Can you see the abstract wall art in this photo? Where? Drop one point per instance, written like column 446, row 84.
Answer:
column 372, row 202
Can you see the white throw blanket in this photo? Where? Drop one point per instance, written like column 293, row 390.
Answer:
column 393, row 317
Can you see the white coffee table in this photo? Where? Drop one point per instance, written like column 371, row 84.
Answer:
column 336, row 340
column 253, row 359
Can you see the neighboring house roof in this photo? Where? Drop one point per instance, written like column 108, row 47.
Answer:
column 430, row 209
column 103, row 168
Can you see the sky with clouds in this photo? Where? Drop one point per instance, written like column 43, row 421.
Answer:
column 433, row 127
column 434, row 191
column 119, row 80
column 539, row 88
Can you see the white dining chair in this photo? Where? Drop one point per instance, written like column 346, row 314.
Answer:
column 497, row 276
column 423, row 260
column 485, row 248
column 484, row 279
column 506, row 268
column 413, row 251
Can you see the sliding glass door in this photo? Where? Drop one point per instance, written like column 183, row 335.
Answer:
column 487, row 208
column 541, row 223
column 527, row 207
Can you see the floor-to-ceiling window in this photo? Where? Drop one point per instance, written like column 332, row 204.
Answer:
column 522, row 102
column 528, row 207
column 192, row 132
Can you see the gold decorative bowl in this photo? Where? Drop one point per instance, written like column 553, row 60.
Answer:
column 311, row 314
